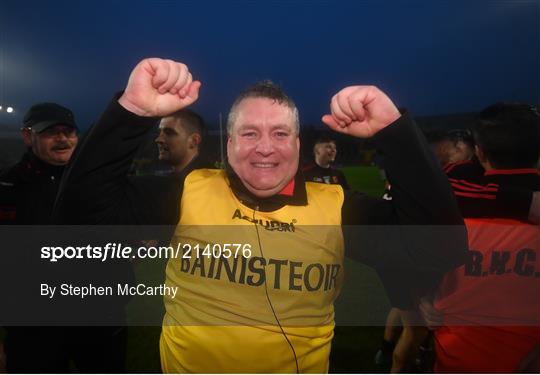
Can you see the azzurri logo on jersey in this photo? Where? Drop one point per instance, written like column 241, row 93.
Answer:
column 271, row 225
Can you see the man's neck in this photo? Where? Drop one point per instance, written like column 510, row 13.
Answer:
column 293, row 194
column 322, row 165
column 180, row 167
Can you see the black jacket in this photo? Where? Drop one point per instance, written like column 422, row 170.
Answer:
column 28, row 191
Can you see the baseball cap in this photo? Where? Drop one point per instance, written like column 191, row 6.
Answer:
column 44, row 115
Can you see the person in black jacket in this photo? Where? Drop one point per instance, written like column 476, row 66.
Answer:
column 27, row 194
column 28, row 189
column 262, row 174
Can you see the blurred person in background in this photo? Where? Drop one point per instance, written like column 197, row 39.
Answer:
column 28, row 189
column 489, row 320
column 321, row 170
column 179, row 140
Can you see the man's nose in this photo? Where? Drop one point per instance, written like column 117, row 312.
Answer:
column 265, row 145
column 61, row 136
column 159, row 139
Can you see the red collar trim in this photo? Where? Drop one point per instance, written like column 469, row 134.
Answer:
column 512, row 171
column 289, row 189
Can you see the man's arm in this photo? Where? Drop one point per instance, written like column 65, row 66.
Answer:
column 428, row 231
column 95, row 189
column 342, row 180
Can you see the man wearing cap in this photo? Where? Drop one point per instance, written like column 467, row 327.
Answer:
column 28, row 189
column 27, row 193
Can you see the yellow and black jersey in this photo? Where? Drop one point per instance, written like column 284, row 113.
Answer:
column 238, row 304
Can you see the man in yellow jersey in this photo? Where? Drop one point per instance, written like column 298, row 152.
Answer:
column 262, row 264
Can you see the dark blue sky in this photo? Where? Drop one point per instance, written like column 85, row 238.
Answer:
column 431, row 56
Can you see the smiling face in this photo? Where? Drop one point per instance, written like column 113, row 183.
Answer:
column 53, row 145
column 263, row 146
column 325, row 153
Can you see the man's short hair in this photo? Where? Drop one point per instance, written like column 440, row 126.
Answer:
column 453, row 135
column 191, row 121
column 462, row 135
column 324, row 139
column 509, row 135
column 264, row 89
column 436, row 136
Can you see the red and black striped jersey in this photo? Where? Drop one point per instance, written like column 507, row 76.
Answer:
column 497, row 193
column 465, row 170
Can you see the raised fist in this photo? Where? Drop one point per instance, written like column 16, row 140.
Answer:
column 361, row 111
column 158, row 87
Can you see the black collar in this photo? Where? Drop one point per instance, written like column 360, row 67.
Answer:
column 275, row 202
column 31, row 167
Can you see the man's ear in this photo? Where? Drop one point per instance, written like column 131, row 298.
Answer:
column 229, row 144
column 194, row 140
column 27, row 137
column 480, row 154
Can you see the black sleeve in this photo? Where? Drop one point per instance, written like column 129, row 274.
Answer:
column 96, row 189
column 421, row 228
column 404, row 289
column 8, row 199
column 342, row 180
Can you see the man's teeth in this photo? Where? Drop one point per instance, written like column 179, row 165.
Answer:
column 264, row 165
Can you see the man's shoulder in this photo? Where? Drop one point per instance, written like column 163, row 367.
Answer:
column 204, row 175
column 8, row 181
column 337, row 172
column 11, row 175
column 465, row 170
column 314, row 187
column 518, row 178
column 9, row 193
column 310, row 169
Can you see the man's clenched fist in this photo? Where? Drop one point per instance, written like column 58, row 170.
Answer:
column 361, row 111
column 158, row 87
